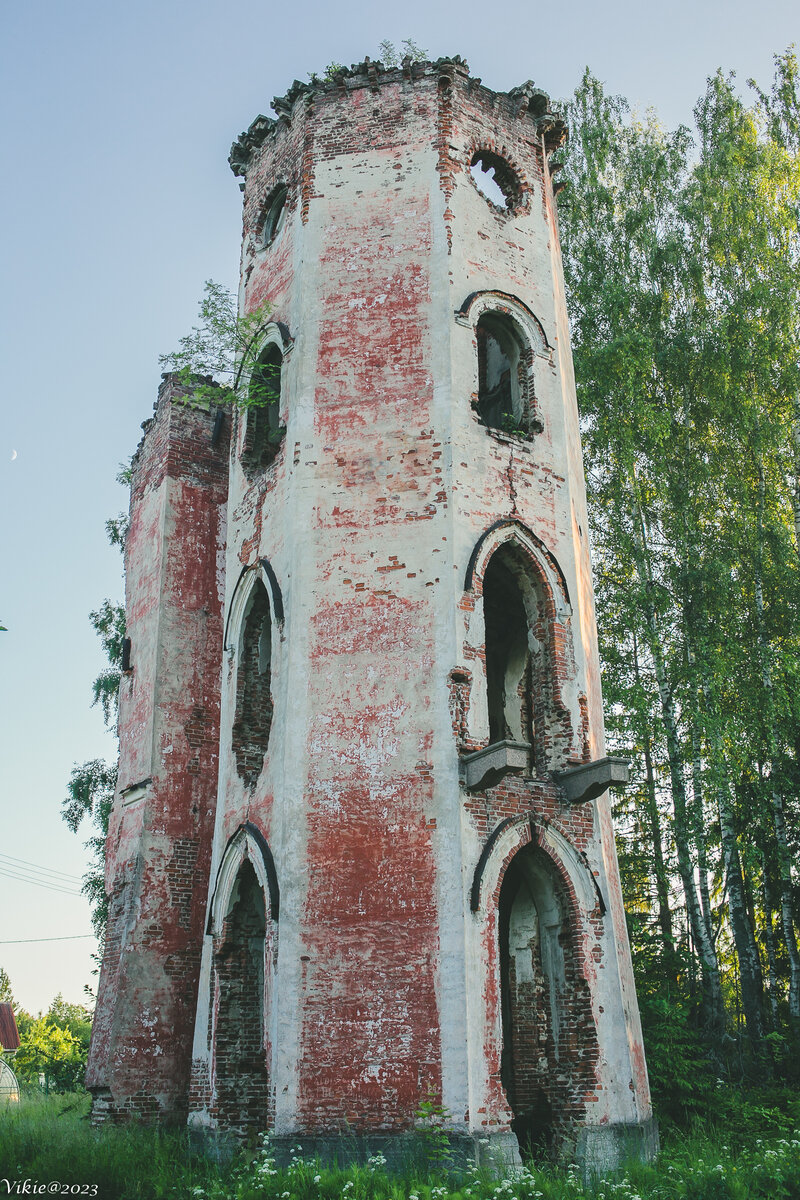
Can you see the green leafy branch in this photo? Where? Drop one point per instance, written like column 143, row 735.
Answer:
column 217, row 358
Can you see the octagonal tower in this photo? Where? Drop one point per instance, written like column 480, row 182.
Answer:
column 413, row 893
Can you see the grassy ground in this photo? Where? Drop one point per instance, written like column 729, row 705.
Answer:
column 48, row 1142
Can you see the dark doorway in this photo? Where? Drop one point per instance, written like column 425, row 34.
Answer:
column 533, row 997
column 242, row 1081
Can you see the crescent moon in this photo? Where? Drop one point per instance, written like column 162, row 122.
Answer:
column 13, row 455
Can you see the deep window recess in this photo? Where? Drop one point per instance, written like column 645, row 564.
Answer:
column 502, row 402
column 253, row 719
column 264, row 433
column 496, row 179
column 275, row 215
column 242, row 1082
column 508, row 656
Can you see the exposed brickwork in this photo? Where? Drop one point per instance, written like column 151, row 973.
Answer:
column 159, row 846
column 437, row 598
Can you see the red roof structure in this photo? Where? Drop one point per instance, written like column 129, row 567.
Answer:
column 9, row 1034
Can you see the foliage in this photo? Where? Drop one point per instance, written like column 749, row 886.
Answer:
column 53, row 1046
column 92, row 784
column 431, row 1122
column 90, row 795
column 390, row 57
column 681, row 259
column 683, row 1082
column 409, row 50
column 6, row 994
column 109, row 625
column 48, row 1138
column 52, row 1052
column 217, row 359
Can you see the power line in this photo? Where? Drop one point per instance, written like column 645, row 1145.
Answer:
column 73, row 937
column 51, row 887
column 43, row 870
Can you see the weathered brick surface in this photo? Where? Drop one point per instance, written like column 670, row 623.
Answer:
column 159, row 846
column 377, row 520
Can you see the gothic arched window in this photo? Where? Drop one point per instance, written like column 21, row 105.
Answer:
column 253, row 720
column 274, row 215
column 263, row 433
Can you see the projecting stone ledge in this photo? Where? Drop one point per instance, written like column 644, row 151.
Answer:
column 484, row 768
column 592, row 779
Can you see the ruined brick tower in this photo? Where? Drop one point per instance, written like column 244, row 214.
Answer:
column 362, row 855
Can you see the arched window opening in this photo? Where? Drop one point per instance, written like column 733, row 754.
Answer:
column 242, row 1080
column 508, row 656
column 263, row 433
column 275, row 215
column 253, row 719
column 502, row 400
column 496, row 179
column 535, row 1063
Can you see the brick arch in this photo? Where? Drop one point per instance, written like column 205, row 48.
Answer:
column 248, row 578
column 490, row 300
column 246, row 844
column 503, row 845
column 519, row 332
column 543, row 562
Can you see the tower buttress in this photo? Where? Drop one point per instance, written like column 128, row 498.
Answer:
column 158, row 848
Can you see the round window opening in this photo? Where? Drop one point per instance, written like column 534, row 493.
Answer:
column 276, row 213
column 496, row 180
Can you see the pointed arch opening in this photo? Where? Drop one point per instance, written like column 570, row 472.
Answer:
column 527, row 649
column 254, row 705
column 541, row 1006
column 241, row 1077
column 263, row 431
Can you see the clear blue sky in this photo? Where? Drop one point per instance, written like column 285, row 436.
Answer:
column 117, row 203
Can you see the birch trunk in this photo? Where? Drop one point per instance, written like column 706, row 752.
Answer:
column 654, row 817
column 744, row 940
column 712, row 989
column 778, row 817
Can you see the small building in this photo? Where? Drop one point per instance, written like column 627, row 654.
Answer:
column 9, row 1034
column 9, row 1042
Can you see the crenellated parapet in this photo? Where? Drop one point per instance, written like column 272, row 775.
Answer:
column 526, row 102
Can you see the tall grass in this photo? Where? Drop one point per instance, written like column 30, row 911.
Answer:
column 49, row 1140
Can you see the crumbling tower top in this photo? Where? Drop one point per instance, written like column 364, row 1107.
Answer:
column 524, row 102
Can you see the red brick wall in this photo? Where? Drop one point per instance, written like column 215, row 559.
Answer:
column 159, row 845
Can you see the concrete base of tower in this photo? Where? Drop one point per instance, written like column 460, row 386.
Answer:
column 604, row 1149
column 403, row 1151
column 409, row 1149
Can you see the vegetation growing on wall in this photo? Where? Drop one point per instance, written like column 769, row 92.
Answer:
column 225, row 347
